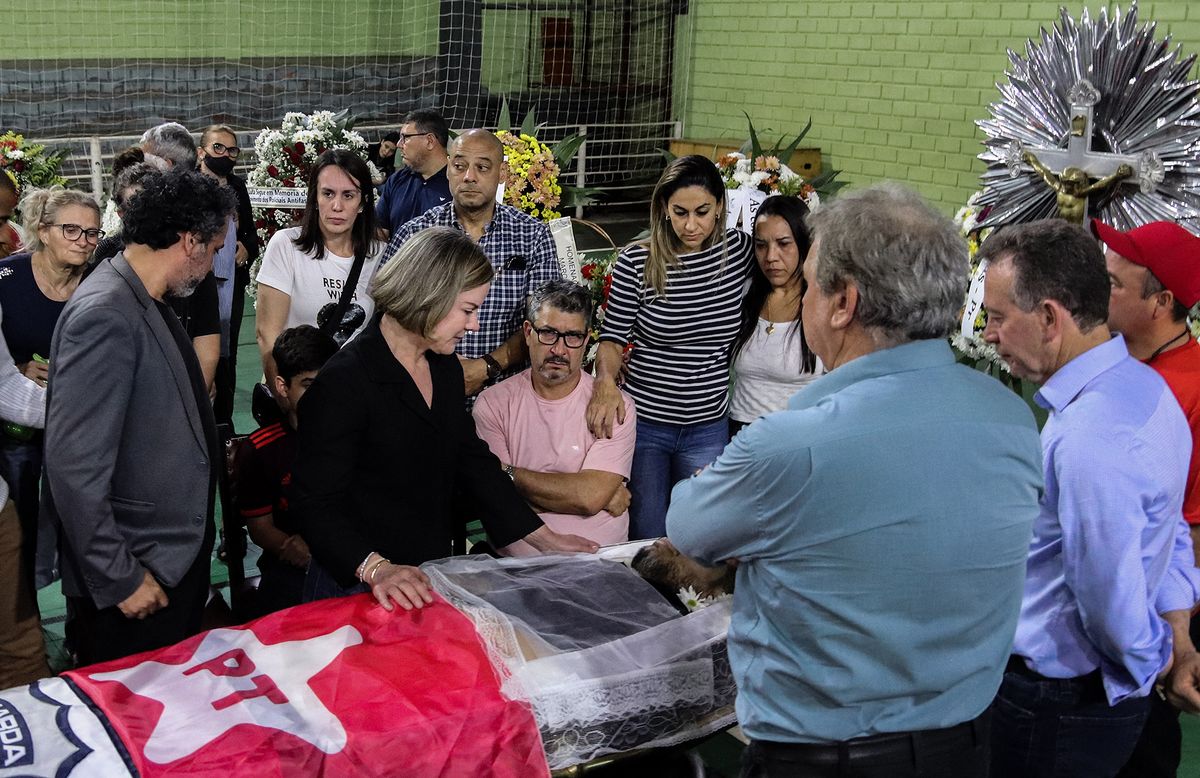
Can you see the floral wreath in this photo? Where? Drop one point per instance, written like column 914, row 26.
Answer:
column 286, row 155
column 766, row 174
column 967, row 219
column 28, row 164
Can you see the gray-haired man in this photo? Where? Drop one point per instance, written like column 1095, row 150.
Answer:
column 873, row 517
column 535, row 423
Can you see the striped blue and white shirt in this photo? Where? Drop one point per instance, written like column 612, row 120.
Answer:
column 679, row 367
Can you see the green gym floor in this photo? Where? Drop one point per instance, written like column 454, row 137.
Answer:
column 720, row 753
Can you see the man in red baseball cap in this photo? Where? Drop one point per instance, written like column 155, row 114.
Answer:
column 1155, row 275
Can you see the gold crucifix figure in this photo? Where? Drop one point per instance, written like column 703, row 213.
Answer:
column 1073, row 185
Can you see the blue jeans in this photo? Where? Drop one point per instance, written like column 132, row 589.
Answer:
column 664, row 455
column 319, row 584
column 21, row 469
column 1043, row 727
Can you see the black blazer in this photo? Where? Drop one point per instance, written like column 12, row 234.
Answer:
column 128, row 465
column 378, row 470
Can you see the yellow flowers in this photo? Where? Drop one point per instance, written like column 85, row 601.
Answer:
column 532, row 181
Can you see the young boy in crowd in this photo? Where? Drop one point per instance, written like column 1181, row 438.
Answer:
column 265, row 471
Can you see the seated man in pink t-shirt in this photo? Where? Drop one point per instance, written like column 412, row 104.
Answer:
column 535, row 423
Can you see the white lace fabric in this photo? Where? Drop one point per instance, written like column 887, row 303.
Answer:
column 606, row 664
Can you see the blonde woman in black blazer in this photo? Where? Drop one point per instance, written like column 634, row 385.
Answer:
column 386, row 444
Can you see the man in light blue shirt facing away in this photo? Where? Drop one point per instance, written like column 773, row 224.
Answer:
column 880, row 523
column 1111, row 573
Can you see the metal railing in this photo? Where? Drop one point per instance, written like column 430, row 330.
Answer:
column 623, row 160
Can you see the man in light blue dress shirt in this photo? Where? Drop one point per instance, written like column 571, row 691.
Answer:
column 880, row 523
column 1110, row 574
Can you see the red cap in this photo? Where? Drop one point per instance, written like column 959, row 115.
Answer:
column 1167, row 250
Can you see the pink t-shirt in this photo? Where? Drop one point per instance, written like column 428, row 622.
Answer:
column 551, row 436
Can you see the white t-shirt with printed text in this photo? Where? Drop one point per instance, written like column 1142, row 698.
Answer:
column 315, row 285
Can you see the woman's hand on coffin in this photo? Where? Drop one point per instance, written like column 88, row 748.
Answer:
column 403, row 585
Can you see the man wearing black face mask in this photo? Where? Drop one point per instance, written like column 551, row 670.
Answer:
column 218, row 154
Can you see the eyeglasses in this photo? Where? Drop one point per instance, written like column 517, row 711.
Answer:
column 404, row 136
column 548, row 336
column 233, row 152
column 73, row 231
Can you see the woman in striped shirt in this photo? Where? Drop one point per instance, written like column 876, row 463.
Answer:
column 677, row 298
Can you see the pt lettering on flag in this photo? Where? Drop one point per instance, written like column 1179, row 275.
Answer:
column 339, row 687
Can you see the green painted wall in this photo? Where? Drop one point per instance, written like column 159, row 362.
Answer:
column 506, row 51
column 893, row 88
column 230, row 29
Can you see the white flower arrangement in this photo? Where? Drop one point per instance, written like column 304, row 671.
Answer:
column 766, row 174
column 285, row 156
column 967, row 220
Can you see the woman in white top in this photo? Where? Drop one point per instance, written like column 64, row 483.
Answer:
column 771, row 360
column 304, row 268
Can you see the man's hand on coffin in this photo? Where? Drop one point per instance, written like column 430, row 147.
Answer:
column 1179, row 681
column 1182, row 685
column 403, row 585
column 547, row 541
column 619, row 502
column 145, row 600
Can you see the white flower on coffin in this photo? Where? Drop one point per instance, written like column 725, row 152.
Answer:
column 694, row 601
column 691, row 599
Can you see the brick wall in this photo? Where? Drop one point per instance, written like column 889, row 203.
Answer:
column 893, row 88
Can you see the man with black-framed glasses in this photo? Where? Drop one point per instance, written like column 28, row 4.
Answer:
column 535, row 423
column 422, row 183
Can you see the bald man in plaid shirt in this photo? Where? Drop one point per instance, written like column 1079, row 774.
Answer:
column 518, row 246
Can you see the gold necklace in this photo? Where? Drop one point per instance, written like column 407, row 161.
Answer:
column 770, row 328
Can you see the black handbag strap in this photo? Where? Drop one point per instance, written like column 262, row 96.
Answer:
column 335, row 320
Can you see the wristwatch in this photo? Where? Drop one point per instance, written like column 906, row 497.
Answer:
column 493, row 367
column 511, row 472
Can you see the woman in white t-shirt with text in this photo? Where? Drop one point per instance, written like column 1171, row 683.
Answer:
column 305, row 268
column 771, row 360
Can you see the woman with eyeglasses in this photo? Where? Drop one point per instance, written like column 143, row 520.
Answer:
column 218, row 153
column 306, row 268
column 62, row 228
